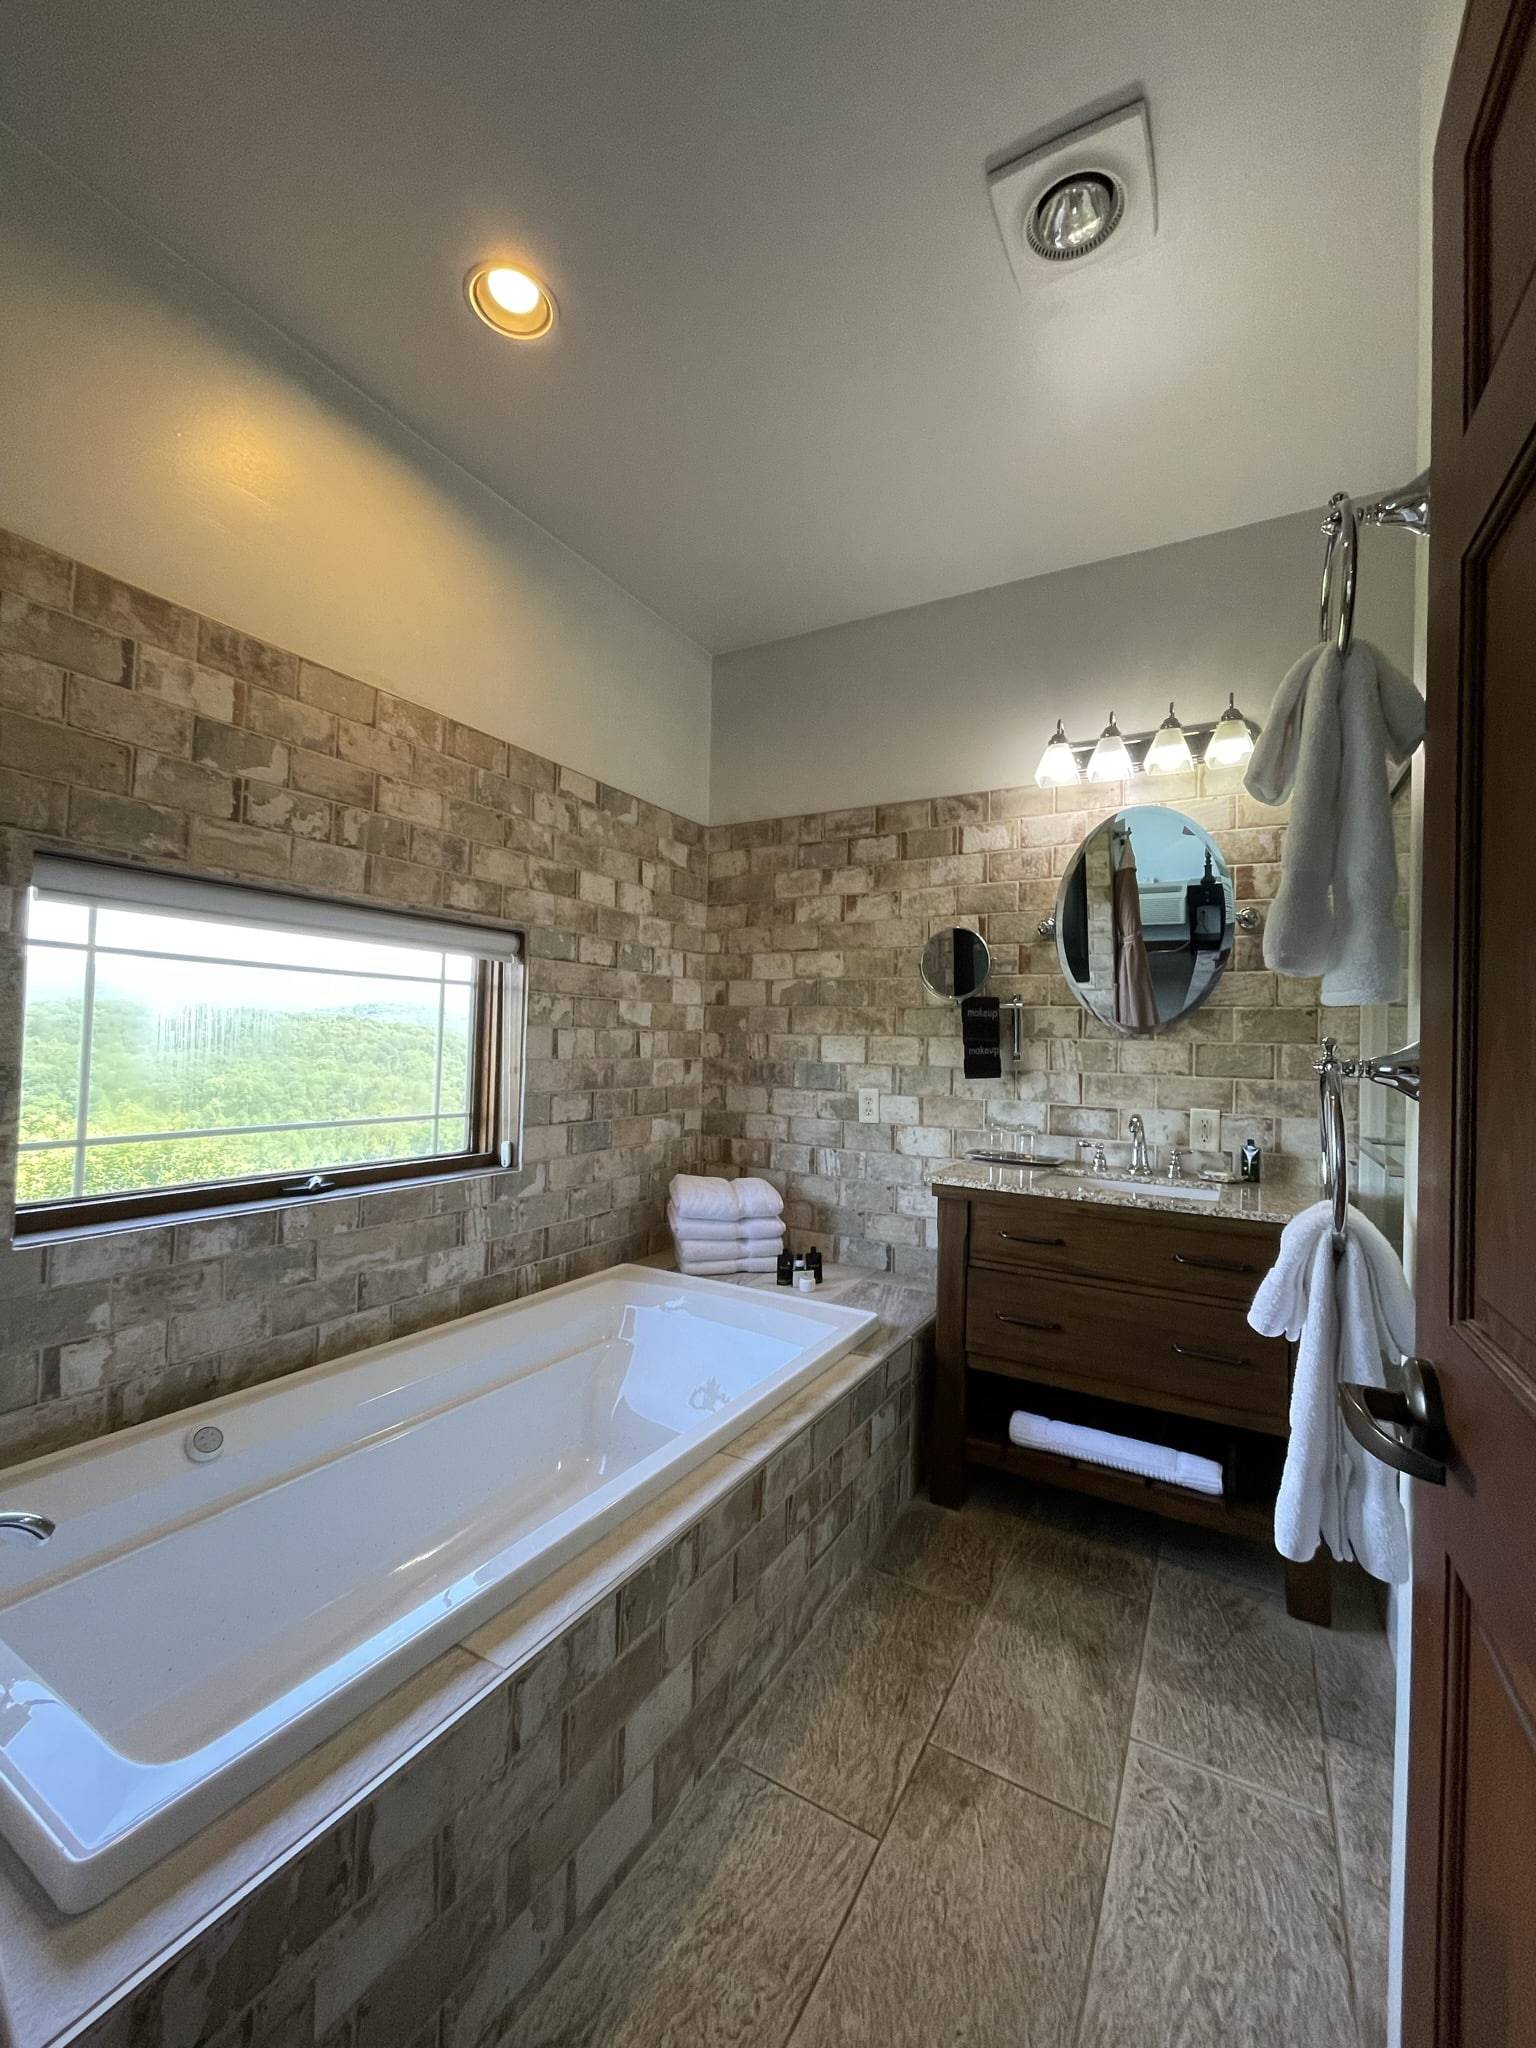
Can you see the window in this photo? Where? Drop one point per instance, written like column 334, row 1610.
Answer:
column 191, row 1045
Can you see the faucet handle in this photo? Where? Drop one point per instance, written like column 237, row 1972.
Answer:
column 1175, row 1162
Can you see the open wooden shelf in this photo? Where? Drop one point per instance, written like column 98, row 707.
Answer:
column 1253, row 1518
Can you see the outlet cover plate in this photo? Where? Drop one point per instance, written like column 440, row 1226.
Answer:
column 1205, row 1130
column 869, row 1105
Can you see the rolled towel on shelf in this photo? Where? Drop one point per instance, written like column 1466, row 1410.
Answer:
column 1118, row 1453
column 745, row 1230
column 710, row 1198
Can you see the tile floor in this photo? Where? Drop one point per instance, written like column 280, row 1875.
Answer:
column 1047, row 1776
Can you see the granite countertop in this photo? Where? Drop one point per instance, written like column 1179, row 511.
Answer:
column 1272, row 1201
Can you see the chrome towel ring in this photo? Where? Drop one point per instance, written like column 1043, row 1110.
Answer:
column 1408, row 507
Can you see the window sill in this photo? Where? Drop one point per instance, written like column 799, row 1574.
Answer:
column 44, row 1234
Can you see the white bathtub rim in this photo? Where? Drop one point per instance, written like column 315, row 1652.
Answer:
column 43, row 1955
column 207, row 1782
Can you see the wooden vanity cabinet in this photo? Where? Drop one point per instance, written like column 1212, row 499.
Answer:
column 1128, row 1319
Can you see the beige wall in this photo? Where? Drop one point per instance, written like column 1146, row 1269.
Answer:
column 962, row 695
column 153, row 427
column 816, row 925
column 131, row 727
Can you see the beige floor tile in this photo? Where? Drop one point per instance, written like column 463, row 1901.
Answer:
column 1356, row 1682
column 716, row 1936
column 1361, row 1782
column 844, row 1721
column 1045, row 1695
column 1227, row 1681
column 956, row 1554
column 1258, row 1566
column 1098, row 1535
column 1221, row 1925
column 974, row 1924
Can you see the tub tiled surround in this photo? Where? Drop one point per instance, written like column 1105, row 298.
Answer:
column 131, row 727
column 549, row 1748
column 816, row 925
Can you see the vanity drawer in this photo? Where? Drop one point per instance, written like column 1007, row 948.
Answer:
column 1132, row 1346
column 1197, row 1255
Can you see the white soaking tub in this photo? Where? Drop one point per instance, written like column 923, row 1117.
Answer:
column 194, row 1624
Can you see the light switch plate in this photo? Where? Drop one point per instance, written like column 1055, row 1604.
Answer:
column 1205, row 1130
column 869, row 1105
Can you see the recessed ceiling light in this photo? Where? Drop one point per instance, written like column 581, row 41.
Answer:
column 512, row 301
column 1076, row 216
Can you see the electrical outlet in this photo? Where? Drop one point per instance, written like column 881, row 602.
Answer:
column 869, row 1105
column 1205, row 1130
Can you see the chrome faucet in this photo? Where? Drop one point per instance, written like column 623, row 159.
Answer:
column 1141, row 1161
column 26, row 1524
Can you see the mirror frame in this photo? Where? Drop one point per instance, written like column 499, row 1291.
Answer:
column 949, row 995
column 1073, row 989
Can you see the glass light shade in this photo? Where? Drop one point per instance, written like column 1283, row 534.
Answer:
column 1058, row 764
column 1231, row 742
column 1110, row 760
column 1169, row 750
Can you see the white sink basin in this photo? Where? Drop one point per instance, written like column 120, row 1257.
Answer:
column 1181, row 1190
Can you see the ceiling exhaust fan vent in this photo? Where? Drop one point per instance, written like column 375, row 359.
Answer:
column 1075, row 216
column 1090, row 191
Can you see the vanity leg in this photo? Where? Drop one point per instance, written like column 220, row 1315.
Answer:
column 1309, row 1589
column 946, row 1440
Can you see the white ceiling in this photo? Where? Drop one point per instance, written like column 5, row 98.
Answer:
column 793, row 381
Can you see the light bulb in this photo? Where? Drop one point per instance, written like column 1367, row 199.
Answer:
column 1110, row 761
column 513, row 290
column 1058, row 764
column 1231, row 742
column 1169, row 751
column 511, row 300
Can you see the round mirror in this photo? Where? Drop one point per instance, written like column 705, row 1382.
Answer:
column 1144, row 920
column 955, row 963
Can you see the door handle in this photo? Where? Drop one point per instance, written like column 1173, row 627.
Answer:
column 1018, row 1237
column 1024, row 1323
column 1405, row 1430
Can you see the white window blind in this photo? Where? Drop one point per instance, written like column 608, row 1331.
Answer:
column 60, row 878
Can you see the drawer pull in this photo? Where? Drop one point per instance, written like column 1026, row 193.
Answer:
column 1024, row 1323
column 1018, row 1237
column 1213, row 1357
column 1215, row 1265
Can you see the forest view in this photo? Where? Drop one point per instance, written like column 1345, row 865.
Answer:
column 215, row 1048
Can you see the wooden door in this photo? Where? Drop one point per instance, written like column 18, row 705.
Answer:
column 1470, row 1933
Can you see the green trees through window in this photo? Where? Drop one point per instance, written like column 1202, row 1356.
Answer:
column 163, row 1051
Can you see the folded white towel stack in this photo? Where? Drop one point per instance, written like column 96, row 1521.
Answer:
column 1119, row 1453
column 725, row 1226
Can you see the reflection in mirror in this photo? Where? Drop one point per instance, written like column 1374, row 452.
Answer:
column 1144, row 920
column 955, row 963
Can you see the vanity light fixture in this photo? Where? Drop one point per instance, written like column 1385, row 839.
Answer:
column 1058, row 764
column 1168, row 753
column 1232, row 741
column 1172, row 748
column 1110, row 762
column 512, row 301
